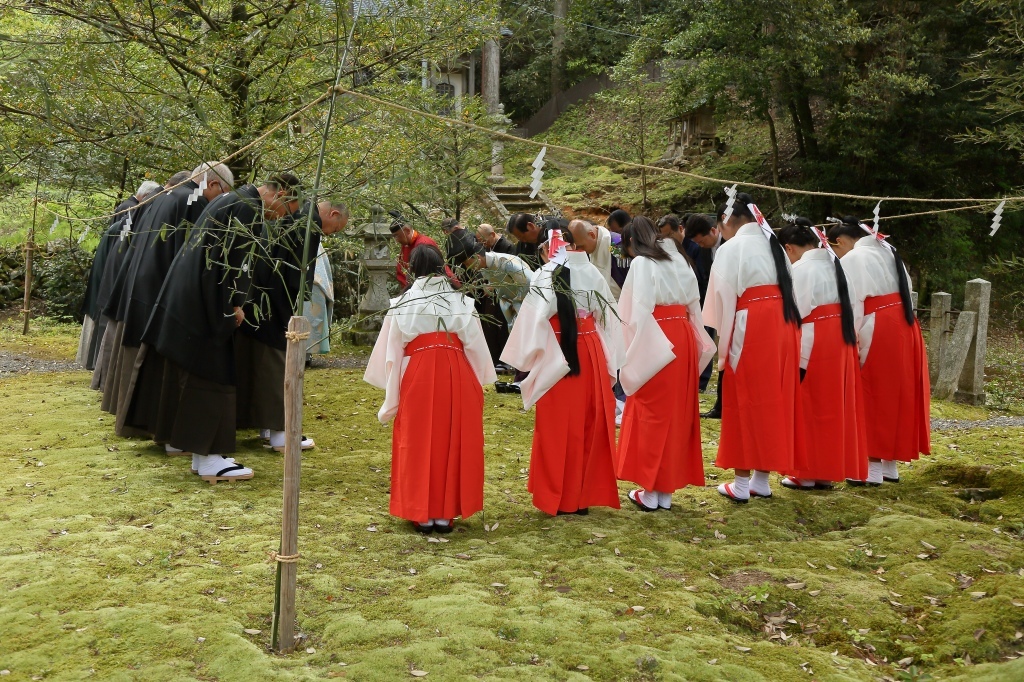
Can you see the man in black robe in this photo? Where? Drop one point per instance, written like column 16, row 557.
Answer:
column 92, row 329
column 159, row 236
column 260, row 342
column 109, row 289
column 492, row 241
column 193, row 327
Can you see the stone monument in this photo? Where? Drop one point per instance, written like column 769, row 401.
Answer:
column 376, row 262
column 957, row 356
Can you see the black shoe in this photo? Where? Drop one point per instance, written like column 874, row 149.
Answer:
column 582, row 512
column 713, row 413
column 426, row 530
column 444, row 529
column 859, row 484
column 891, row 480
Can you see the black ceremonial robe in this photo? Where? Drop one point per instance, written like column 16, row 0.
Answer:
column 260, row 342
column 192, row 325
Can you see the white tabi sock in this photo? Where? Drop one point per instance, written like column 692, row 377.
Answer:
column 889, row 469
column 759, row 483
column 439, row 522
column 664, row 500
column 210, row 465
column 168, row 448
column 874, row 472
column 741, row 487
column 277, row 440
column 647, row 498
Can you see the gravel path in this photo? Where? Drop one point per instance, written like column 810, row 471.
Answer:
column 965, row 424
column 339, row 362
column 19, row 363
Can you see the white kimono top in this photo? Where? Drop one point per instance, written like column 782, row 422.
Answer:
column 430, row 305
column 742, row 262
column 814, row 284
column 652, row 283
column 532, row 345
column 602, row 258
column 870, row 272
column 510, row 276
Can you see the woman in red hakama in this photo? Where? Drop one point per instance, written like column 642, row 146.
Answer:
column 570, row 379
column 830, row 392
column 666, row 348
column 750, row 301
column 432, row 380
column 894, row 364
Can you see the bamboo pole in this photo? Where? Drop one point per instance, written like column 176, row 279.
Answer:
column 30, row 247
column 294, row 367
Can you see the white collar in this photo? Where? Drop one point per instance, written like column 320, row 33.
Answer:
column 814, row 254
column 434, row 283
column 750, row 229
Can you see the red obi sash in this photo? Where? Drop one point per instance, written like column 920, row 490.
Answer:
column 823, row 312
column 584, row 325
column 875, row 303
column 671, row 312
column 765, row 292
column 434, row 340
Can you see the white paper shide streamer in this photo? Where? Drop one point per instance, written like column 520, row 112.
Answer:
column 997, row 218
column 538, row 172
column 731, row 193
column 53, row 228
column 198, row 192
column 126, row 226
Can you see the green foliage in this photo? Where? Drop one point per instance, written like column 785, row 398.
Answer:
column 63, row 274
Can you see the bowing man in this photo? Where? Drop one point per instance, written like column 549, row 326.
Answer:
column 750, row 302
column 894, row 364
column 666, row 348
column 431, row 359
column 833, row 406
column 193, row 328
column 568, row 337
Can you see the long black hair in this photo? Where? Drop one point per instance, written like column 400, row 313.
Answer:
column 641, row 235
column 800, row 233
column 561, row 282
column 850, row 227
column 426, row 261
column 790, row 311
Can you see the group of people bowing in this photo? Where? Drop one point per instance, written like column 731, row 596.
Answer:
column 823, row 375
column 187, row 308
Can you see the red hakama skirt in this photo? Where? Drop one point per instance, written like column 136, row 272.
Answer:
column 761, row 414
column 897, row 393
column 437, row 448
column 572, row 464
column 659, row 447
column 833, row 403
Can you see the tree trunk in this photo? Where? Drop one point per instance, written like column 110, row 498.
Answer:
column 558, row 47
column 124, row 181
column 643, row 153
column 796, row 129
column 775, row 157
column 803, row 107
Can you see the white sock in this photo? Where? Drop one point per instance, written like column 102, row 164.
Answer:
column 874, row 472
column 209, row 465
column 439, row 522
column 647, row 498
column 276, row 439
column 168, row 448
column 665, row 500
column 807, row 482
column 889, row 469
column 759, row 483
column 741, row 487
column 265, row 434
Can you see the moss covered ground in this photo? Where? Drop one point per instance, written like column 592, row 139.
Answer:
column 117, row 563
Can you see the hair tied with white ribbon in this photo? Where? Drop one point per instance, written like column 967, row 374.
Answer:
column 790, row 217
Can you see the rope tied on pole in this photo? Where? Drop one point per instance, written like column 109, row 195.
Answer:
column 295, row 337
column 285, row 558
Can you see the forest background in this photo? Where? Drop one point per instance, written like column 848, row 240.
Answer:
column 872, row 97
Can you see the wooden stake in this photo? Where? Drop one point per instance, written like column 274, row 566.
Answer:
column 294, row 367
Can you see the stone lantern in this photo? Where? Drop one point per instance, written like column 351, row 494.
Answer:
column 376, row 262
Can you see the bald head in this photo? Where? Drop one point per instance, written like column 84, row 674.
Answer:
column 486, row 235
column 584, row 234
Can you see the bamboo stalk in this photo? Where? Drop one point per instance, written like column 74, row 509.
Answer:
column 30, row 247
column 294, row 368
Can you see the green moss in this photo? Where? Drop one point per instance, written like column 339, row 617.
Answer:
column 115, row 561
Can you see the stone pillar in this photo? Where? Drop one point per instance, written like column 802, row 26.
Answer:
column 972, row 378
column 955, row 355
column 939, row 326
column 490, row 89
column 490, row 76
